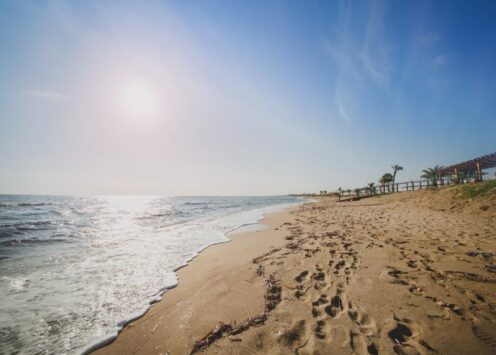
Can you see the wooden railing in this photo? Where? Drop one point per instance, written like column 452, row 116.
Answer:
column 390, row 188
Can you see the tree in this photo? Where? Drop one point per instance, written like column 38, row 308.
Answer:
column 386, row 179
column 371, row 188
column 396, row 168
column 432, row 174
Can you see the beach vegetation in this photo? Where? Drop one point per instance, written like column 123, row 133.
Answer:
column 482, row 188
column 396, row 168
column 466, row 176
column 386, row 180
column 432, row 174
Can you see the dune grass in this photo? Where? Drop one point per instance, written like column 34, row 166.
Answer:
column 480, row 189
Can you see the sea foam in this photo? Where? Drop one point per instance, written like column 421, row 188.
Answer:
column 76, row 270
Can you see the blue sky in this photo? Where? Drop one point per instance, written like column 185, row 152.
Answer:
column 231, row 97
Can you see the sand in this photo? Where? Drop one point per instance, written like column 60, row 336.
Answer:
column 383, row 275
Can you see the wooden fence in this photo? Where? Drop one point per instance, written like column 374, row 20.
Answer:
column 390, row 188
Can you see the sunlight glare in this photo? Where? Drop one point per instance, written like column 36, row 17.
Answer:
column 138, row 100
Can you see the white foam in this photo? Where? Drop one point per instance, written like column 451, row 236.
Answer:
column 120, row 264
column 245, row 227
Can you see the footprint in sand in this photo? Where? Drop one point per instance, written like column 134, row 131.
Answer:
column 322, row 329
column 301, row 289
column 393, row 275
column 302, row 276
column 361, row 341
column 361, row 344
column 294, row 337
column 317, row 305
column 405, row 335
column 337, row 303
column 365, row 323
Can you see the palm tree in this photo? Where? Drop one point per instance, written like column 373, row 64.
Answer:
column 396, row 168
column 432, row 174
column 371, row 188
column 386, row 179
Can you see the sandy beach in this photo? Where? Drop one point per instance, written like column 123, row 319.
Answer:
column 408, row 273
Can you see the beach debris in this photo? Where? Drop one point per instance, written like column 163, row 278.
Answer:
column 222, row 330
column 292, row 246
column 471, row 276
column 211, row 337
column 490, row 267
column 331, row 234
column 273, row 295
column 475, row 253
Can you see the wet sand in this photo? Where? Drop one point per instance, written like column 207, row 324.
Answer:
column 383, row 275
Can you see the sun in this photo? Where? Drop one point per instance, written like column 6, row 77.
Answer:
column 138, row 100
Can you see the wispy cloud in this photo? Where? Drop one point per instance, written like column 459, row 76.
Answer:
column 375, row 53
column 361, row 54
column 44, row 94
column 342, row 109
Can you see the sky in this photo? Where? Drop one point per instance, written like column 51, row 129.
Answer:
column 240, row 97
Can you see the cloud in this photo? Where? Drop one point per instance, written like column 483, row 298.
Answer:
column 374, row 54
column 342, row 110
column 376, row 72
column 361, row 54
column 49, row 95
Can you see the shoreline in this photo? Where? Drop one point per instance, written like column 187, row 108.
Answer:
column 381, row 275
column 229, row 236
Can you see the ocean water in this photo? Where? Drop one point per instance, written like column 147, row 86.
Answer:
column 74, row 270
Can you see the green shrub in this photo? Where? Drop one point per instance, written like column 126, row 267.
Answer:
column 479, row 189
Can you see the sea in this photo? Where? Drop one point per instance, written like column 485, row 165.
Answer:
column 75, row 269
